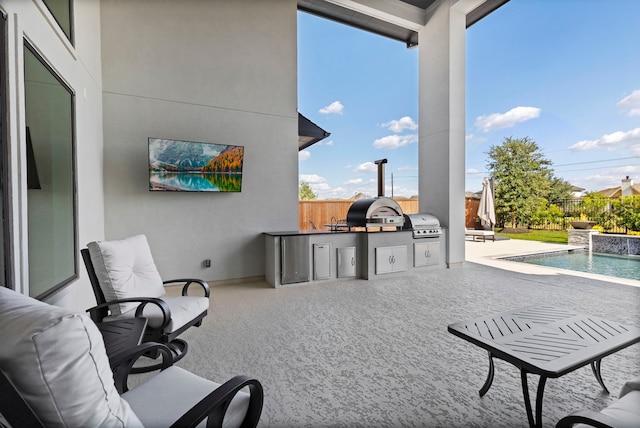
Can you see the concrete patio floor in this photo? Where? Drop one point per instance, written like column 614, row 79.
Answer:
column 357, row 353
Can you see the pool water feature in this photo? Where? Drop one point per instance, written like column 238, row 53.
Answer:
column 584, row 261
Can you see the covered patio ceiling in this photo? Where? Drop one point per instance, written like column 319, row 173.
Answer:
column 397, row 19
column 309, row 133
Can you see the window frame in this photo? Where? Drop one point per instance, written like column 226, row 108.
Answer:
column 53, row 289
column 69, row 36
column 6, row 279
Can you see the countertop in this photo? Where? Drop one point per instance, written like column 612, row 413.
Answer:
column 329, row 232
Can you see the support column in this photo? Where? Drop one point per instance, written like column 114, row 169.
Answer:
column 441, row 152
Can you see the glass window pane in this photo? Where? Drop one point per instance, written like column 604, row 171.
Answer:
column 50, row 178
column 61, row 11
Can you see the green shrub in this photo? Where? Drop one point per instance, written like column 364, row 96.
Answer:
column 627, row 211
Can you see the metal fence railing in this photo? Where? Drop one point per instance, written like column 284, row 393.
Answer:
column 575, row 210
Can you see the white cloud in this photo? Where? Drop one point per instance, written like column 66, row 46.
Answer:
column 366, row 167
column 328, row 143
column 627, row 170
column 403, row 191
column 613, row 140
column 408, row 168
column 317, row 183
column 508, row 119
column 609, row 178
column 401, row 124
column 312, row 179
column 304, row 155
column 338, row 192
column 631, row 103
column 472, row 171
column 394, row 141
column 335, row 107
column 474, row 139
column 317, row 187
column 353, row 182
column 596, row 182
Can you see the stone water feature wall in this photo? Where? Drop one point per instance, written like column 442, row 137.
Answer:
column 627, row 245
column 581, row 237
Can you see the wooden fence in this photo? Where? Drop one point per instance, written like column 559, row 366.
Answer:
column 321, row 212
column 471, row 206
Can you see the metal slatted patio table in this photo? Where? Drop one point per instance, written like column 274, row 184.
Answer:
column 120, row 336
column 546, row 341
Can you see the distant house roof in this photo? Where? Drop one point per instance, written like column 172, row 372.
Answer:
column 309, row 133
column 616, row 192
column 577, row 189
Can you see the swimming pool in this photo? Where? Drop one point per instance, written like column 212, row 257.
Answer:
column 585, row 261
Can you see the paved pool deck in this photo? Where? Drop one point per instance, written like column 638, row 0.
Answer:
column 490, row 253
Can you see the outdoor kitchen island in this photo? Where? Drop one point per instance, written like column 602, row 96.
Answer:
column 297, row 257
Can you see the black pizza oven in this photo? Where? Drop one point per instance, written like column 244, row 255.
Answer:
column 376, row 212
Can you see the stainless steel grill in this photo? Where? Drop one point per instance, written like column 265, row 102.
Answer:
column 422, row 225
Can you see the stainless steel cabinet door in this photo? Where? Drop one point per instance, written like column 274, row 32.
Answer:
column 346, row 262
column 426, row 253
column 321, row 261
column 391, row 259
column 294, row 259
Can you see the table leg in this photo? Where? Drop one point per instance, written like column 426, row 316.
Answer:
column 489, row 381
column 595, row 367
column 537, row 422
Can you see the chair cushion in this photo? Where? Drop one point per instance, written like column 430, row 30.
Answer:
column 57, row 361
column 172, row 392
column 631, row 385
column 626, row 409
column 125, row 269
column 183, row 310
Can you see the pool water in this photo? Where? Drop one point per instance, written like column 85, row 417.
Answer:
column 585, row 261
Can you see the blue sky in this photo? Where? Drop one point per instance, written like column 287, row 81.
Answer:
column 565, row 73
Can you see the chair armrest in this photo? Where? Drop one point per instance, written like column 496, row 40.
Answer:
column 588, row 417
column 123, row 362
column 164, row 308
column 188, row 282
column 214, row 405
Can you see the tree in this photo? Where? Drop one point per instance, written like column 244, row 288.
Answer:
column 305, row 193
column 522, row 179
column 560, row 189
column 627, row 210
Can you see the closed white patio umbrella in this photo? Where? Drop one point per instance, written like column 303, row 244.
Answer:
column 486, row 210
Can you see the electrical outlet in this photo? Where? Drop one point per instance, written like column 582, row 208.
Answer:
column 207, row 263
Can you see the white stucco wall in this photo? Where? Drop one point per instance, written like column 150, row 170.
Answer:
column 79, row 66
column 442, row 120
column 209, row 71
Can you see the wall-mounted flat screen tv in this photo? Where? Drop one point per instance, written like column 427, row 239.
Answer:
column 188, row 166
